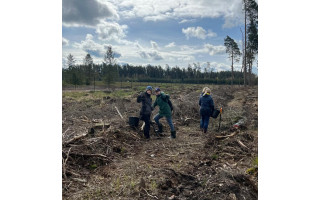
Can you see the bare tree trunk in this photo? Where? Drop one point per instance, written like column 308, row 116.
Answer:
column 242, row 68
column 245, row 42
column 232, row 68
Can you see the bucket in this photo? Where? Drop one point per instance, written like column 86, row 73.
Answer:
column 134, row 121
column 215, row 113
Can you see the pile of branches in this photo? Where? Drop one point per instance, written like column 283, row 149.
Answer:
column 92, row 145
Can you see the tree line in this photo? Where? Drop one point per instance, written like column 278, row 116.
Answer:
column 88, row 73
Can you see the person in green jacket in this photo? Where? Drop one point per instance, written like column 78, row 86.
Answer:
column 165, row 110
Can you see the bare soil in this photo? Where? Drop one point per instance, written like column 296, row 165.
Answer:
column 114, row 161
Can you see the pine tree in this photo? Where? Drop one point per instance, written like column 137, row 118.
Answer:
column 88, row 62
column 234, row 53
column 70, row 61
column 109, row 57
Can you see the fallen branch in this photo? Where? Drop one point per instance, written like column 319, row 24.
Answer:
column 94, row 155
column 134, row 135
column 150, row 194
column 64, row 169
column 118, row 112
column 85, row 117
column 79, row 180
column 225, row 136
column 241, row 144
column 75, row 138
column 172, row 155
column 73, row 173
column 65, row 131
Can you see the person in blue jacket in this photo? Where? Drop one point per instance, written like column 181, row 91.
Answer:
column 206, row 107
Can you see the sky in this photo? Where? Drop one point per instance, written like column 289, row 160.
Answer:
column 162, row 32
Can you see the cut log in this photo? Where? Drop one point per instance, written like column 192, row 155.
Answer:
column 100, row 126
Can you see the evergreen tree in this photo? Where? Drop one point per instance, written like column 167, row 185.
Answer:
column 251, row 47
column 70, row 61
column 109, row 57
column 234, row 53
column 88, row 62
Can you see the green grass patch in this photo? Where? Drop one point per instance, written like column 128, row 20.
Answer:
column 214, row 157
column 80, row 95
column 84, row 95
column 254, row 169
column 255, row 161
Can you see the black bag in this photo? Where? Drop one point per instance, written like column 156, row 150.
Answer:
column 215, row 113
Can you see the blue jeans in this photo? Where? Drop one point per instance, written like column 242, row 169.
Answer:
column 169, row 120
column 204, row 121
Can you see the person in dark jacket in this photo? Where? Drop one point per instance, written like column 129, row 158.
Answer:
column 145, row 99
column 165, row 110
column 203, row 91
column 206, row 107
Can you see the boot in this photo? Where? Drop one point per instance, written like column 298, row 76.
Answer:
column 204, row 130
column 173, row 134
column 146, row 134
column 160, row 130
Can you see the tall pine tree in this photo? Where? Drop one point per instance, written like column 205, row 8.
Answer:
column 234, row 53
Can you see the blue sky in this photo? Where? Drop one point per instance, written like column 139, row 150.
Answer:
column 159, row 32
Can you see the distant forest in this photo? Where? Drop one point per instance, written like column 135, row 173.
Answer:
column 88, row 74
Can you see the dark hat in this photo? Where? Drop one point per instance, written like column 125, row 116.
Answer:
column 149, row 88
column 157, row 89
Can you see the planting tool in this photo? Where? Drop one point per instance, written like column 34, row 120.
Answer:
column 220, row 118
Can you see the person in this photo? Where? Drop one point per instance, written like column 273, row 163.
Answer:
column 206, row 107
column 165, row 110
column 145, row 99
column 203, row 91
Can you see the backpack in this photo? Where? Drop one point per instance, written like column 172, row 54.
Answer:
column 167, row 99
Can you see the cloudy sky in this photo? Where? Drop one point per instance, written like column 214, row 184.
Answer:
column 156, row 32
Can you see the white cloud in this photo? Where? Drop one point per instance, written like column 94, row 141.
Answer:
column 220, row 66
column 90, row 46
column 111, row 31
column 172, row 44
column 212, row 50
column 230, row 10
column 187, row 21
column 152, row 53
column 156, row 18
column 198, row 32
column 211, row 34
column 154, row 45
column 65, row 42
column 86, row 12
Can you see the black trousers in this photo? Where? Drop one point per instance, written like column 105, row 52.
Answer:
column 146, row 129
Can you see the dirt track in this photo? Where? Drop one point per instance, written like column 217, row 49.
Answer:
column 117, row 163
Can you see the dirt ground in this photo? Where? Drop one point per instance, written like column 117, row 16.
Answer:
column 104, row 158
